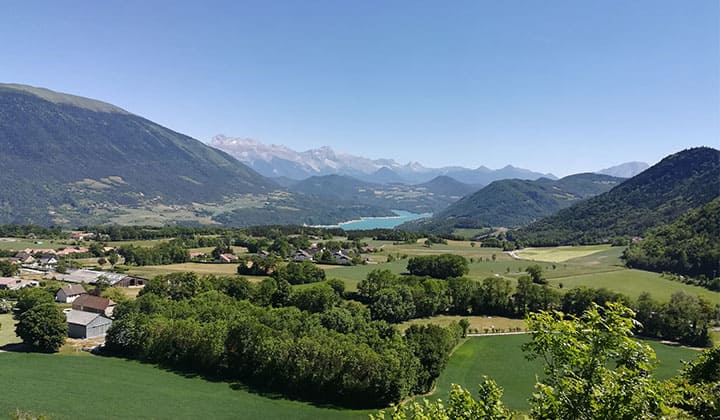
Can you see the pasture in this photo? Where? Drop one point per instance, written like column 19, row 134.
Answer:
column 561, row 253
column 501, row 359
column 633, row 283
column 69, row 387
column 21, row 243
column 478, row 324
column 149, row 271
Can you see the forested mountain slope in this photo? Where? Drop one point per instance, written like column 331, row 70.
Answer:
column 689, row 246
column 64, row 150
column 661, row 194
column 516, row 202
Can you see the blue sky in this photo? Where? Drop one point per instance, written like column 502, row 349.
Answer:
column 557, row 86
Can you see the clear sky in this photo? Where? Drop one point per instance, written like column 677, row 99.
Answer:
column 555, row 86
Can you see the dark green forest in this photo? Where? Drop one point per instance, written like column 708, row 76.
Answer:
column 661, row 194
column 690, row 246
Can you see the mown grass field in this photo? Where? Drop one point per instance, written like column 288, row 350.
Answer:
column 67, row 387
column 20, row 243
column 149, row 271
column 501, row 358
column 634, row 282
column 561, row 253
column 478, row 324
column 7, row 330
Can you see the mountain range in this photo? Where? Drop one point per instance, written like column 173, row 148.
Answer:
column 69, row 160
column 280, row 161
column 73, row 161
column 661, row 194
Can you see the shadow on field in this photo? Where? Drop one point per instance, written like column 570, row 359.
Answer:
column 252, row 388
column 18, row 348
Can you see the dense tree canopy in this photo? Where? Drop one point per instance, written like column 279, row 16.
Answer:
column 441, row 266
column 43, row 327
column 305, row 343
column 300, row 273
column 689, row 246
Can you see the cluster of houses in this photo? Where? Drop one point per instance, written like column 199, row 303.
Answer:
column 338, row 256
column 221, row 259
column 90, row 316
column 44, row 259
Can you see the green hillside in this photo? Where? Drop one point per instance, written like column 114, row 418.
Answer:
column 516, row 202
column 660, row 194
column 689, row 246
column 64, row 150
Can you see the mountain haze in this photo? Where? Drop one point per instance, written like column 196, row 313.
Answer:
column 280, row 161
column 660, row 194
column 625, row 170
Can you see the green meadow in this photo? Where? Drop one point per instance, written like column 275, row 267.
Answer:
column 501, row 359
column 68, row 387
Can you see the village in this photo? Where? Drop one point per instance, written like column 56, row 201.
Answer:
column 79, row 279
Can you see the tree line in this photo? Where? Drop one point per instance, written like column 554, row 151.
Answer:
column 395, row 298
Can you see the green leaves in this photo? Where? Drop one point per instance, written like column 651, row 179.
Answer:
column 43, row 327
column 593, row 368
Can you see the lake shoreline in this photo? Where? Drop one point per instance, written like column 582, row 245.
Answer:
column 401, row 217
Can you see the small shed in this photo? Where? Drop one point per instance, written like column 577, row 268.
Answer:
column 83, row 324
column 68, row 294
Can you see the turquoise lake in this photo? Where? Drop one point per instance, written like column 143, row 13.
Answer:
column 382, row 222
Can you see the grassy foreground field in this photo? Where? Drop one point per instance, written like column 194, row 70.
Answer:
column 501, row 358
column 67, row 387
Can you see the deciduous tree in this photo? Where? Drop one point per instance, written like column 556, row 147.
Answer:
column 43, row 327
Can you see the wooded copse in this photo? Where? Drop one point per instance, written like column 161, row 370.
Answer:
column 238, row 330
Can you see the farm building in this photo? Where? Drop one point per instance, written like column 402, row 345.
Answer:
column 227, row 258
column 93, row 276
column 83, row 324
column 68, row 294
column 302, row 255
column 130, row 281
column 97, row 304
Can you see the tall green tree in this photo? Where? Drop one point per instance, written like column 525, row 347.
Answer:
column 593, row 368
column 43, row 327
column 8, row 269
column 31, row 297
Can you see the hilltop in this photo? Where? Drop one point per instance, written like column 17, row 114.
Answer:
column 660, row 194
column 515, row 202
